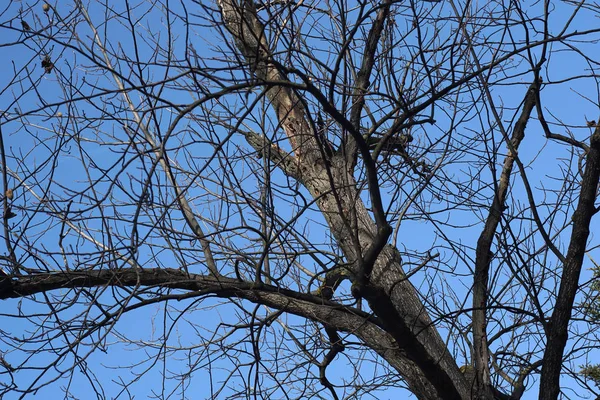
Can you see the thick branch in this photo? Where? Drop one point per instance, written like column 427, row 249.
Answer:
column 266, row 148
column 483, row 252
column 373, row 264
column 362, row 79
column 331, row 314
column 242, row 22
column 557, row 331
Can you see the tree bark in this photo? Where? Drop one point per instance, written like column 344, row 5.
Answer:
column 184, row 286
column 557, row 331
column 332, row 184
column 483, row 255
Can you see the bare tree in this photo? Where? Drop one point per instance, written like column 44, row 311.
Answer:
column 291, row 199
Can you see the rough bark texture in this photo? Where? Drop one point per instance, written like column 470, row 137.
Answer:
column 557, row 331
column 390, row 295
column 376, row 267
column 186, row 286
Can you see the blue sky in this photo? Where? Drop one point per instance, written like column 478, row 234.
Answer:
column 36, row 124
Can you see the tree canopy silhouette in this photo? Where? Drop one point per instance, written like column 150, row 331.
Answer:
column 292, row 199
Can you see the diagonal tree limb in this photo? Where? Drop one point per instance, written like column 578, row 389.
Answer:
column 187, row 286
column 159, row 153
column 362, row 79
column 241, row 21
column 249, row 34
column 280, row 158
column 483, row 252
column 557, row 330
column 389, row 294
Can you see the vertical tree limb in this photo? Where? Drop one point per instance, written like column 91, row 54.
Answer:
column 483, row 255
column 557, row 331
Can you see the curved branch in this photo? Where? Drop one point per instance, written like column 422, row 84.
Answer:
column 329, row 313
